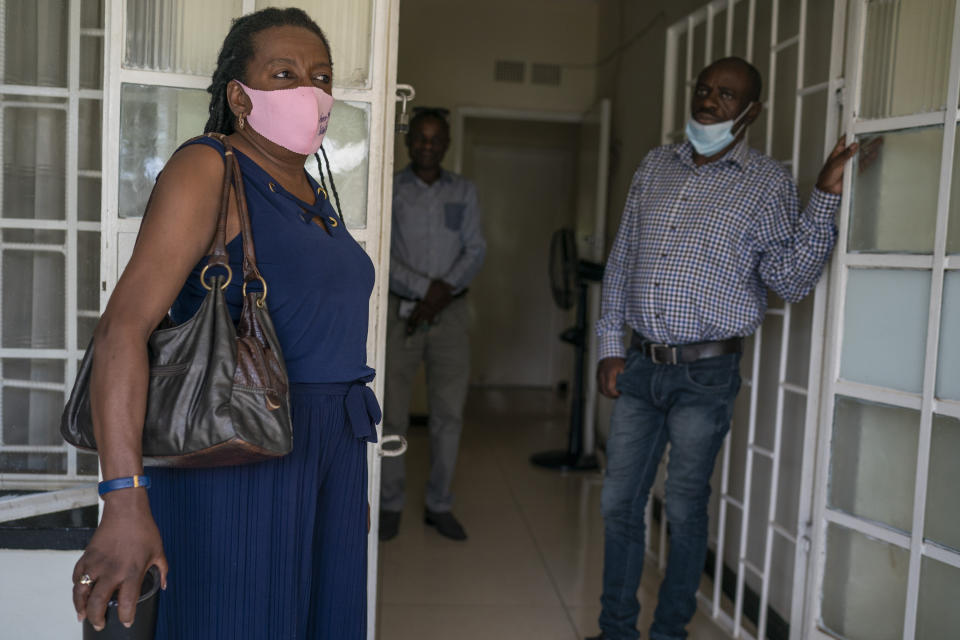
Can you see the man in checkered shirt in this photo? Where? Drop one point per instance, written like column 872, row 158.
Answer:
column 708, row 226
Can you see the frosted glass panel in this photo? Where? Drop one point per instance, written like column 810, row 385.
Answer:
column 938, row 615
column 873, row 461
column 35, row 50
column 34, row 167
column 181, row 36
column 942, row 515
column 906, row 57
column 348, row 147
column 864, row 587
column 34, row 294
column 885, row 327
column 348, row 26
column 154, row 121
column 896, row 173
column 948, row 367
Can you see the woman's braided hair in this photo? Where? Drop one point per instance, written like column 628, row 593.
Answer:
column 237, row 51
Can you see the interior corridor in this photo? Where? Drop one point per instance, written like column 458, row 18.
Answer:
column 531, row 567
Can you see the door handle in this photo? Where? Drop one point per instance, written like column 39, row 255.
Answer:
column 392, row 452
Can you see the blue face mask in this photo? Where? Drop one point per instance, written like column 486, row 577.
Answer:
column 709, row 139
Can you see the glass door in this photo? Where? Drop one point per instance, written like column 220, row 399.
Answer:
column 887, row 535
column 160, row 55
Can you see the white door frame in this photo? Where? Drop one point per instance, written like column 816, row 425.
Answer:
column 925, row 402
column 597, row 242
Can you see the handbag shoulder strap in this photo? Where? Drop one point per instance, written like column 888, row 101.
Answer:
column 218, row 253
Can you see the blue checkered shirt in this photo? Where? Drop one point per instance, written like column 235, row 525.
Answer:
column 698, row 246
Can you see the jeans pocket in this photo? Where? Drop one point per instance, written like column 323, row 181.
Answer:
column 712, row 374
column 453, row 215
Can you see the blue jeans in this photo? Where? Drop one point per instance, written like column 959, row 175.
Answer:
column 689, row 406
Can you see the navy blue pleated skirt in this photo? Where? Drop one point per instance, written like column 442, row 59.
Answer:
column 275, row 549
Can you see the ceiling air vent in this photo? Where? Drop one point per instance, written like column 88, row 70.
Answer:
column 546, row 74
column 509, row 71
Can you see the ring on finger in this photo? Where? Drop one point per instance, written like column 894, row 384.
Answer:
column 86, row 580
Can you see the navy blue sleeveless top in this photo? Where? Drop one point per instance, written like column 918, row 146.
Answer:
column 318, row 280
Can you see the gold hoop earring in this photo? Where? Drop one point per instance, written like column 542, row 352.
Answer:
column 241, row 121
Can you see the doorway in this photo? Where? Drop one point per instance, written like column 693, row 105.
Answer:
column 525, row 172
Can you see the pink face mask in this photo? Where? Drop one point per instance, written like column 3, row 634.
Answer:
column 296, row 119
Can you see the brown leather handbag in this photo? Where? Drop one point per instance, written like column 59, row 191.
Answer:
column 218, row 394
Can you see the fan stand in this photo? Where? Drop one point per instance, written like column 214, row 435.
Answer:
column 573, row 459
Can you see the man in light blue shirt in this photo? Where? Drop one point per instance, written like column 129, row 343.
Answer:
column 437, row 248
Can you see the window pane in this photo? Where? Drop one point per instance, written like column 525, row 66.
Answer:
column 942, row 516
column 33, row 299
column 181, row 36
column 699, row 46
column 791, row 459
column 788, row 17
column 798, row 350
column 719, row 35
column 347, row 143
column 906, row 57
column 153, row 122
column 33, row 158
column 91, row 14
column 885, row 327
column 88, row 271
column 88, row 199
column 953, row 227
column 864, row 586
column 35, row 52
column 91, row 62
column 51, row 463
column 90, row 140
column 873, row 461
column 741, row 22
column 948, row 368
column 895, row 173
column 681, row 108
column 348, row 25
column 813, row 125
column 938, row 615
column 819, row 37
column 31, row 416
column 785, row 104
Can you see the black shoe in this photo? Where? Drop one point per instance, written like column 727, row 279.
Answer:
column 446, row 524
column 389, row 525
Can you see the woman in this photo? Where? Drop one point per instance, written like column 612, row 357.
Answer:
column 274, row 549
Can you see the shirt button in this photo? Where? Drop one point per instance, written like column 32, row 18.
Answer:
column 663, row 255
column 673, row 227
column 657, row 316
column 656, row 284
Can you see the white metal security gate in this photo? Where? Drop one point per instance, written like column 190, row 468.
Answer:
column 760, row 520
column 159, row 59
column 887, row 539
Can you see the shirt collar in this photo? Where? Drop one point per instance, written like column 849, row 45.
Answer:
column 736, row 156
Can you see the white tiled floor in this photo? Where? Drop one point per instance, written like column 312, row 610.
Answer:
column 532, row 565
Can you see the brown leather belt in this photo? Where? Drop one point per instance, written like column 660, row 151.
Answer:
column 684, row 353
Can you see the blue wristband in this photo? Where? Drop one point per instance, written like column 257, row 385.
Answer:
column 123, row 483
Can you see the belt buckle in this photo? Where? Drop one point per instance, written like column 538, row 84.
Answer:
column 673, row 353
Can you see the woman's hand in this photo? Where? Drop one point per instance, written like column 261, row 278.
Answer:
column 125, row 545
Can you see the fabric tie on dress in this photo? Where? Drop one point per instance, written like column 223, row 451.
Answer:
column 363, row 411
column 359, row 403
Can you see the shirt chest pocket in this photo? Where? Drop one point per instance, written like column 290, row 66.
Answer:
column 453, row 213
